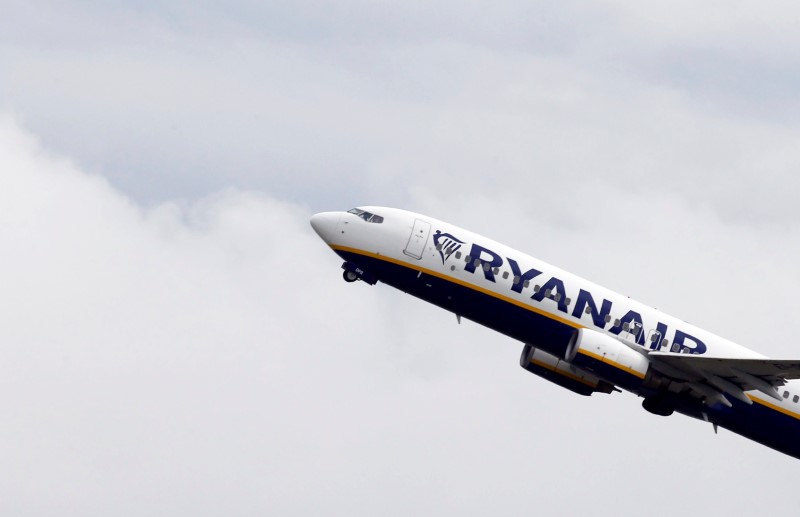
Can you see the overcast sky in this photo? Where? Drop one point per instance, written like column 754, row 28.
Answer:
column 175, row 339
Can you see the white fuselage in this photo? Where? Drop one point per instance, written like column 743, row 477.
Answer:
column 451, row 256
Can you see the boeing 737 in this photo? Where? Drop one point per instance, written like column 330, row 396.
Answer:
column 576, row 334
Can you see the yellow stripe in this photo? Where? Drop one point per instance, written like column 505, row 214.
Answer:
column 530, row 308
column 461, row 283
column 774, row 407
column 604, row 359
column 565, row 374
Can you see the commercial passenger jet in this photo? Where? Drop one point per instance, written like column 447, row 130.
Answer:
column 576, row 334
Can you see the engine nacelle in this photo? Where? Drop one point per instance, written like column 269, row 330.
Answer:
column 608, row 358
column 561, row 372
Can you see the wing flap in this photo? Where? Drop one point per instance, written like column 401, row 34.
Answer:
column 727, row 375
column 694, row 365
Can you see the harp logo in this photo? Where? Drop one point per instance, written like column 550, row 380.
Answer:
column 446, row 244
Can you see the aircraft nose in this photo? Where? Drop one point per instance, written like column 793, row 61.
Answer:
column 325, row 224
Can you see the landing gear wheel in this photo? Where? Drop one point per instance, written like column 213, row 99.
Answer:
column 349, row 276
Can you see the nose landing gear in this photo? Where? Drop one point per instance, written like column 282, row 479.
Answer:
column 352, row 273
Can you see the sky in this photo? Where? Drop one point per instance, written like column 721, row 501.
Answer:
column 176, row 340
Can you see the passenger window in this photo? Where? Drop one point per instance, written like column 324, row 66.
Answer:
column 452, row 268
column 674, row 347
column 516, row 279
column 665, row 342
column 795, row 398
column 485, row 265
column 557, row 297
column 536, row 288
column 496, row 270
column 547, row 292
column 786, row 394
column 505, row 275
column 616, row 322
column 527, row 283
column 458, row 254
column 607, row 318
column 567, row 301
column 588, row 310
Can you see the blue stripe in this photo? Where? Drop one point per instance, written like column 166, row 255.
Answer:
column 761, row 424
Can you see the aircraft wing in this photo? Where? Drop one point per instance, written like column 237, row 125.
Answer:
column 726, row 375
column 785, row 369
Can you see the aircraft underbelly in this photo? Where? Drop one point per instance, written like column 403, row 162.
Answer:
column 756, row 422
column 516, row 322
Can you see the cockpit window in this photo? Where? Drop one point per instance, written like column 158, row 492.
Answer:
column 367, row 216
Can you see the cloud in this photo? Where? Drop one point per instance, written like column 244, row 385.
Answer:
column 355, row 103
column 177, row 340
column 206, row 358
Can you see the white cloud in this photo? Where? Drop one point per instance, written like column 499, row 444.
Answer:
column 207, row 359
column 176, row 339
column 358, row 103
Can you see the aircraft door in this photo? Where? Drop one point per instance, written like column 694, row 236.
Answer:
column 418, row 239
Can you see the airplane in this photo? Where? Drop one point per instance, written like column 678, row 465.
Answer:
column 576, row 334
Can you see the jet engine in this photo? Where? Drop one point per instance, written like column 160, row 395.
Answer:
column 560, row 372
column 608, row 358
